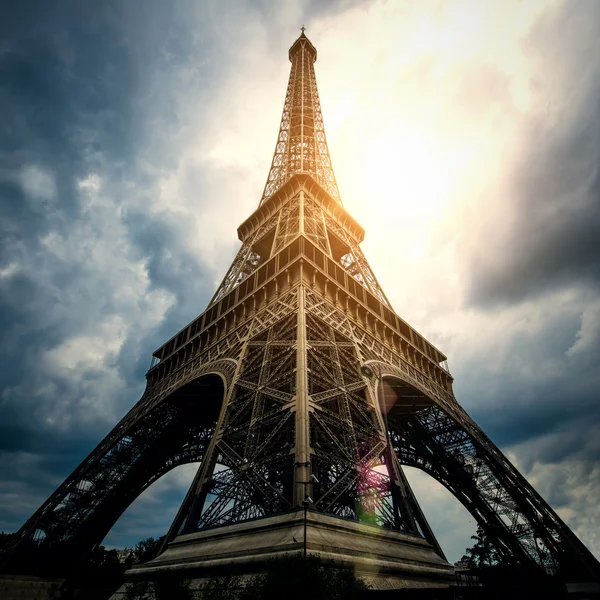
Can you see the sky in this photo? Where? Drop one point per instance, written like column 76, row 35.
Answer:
column 465, row 138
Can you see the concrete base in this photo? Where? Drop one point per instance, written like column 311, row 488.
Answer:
column 23, row 587
column 584, row 589
column 386, row 559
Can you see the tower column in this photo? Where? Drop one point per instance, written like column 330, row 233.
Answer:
column 301, row 228
column 302, row 447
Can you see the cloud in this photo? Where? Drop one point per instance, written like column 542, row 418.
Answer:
column 545, row 235
column 37, row 183
column 449, row 520
column 110, row 197
column 587, row 342
column 564, row 467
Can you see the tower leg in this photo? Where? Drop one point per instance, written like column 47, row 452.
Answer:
column 449, row 446
column 145, row 445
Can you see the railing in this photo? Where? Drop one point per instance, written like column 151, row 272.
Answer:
column 274, row 270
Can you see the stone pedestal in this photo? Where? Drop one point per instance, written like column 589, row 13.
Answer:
column 386, row 559
column 23, row 587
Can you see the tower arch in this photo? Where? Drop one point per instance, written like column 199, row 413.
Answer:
column 135, row 454
column 447, row 445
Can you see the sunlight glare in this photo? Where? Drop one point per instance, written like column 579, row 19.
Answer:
column 408, row 175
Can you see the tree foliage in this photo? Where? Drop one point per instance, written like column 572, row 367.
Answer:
column 482, row 553
column 5, row 538
column 102, row 572
column 169, row 587
column 295, row 577
column 146, row 550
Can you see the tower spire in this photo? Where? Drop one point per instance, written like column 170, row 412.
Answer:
column 301, row 144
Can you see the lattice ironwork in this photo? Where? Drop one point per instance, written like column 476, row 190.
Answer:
column 288, row 226
column 244, row 264
column 351, row 257
column 143, row 447
column 252, row 451
column 523, row 528
column 301, row 143
column 314, row 225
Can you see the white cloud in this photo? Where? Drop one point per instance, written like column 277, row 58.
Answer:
column 8, row 271
column 97, row 289
column 451, row 523
column 570, row 484
column 80, row 352
column 38, row 183
column 588, row 336
column 91, row 182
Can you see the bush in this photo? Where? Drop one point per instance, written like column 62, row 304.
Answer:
column 168, row 587
column 294, row 578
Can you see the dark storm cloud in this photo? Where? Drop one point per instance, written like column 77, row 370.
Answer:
column 541, row 384
column 73, row 94
column 552, row 201
column 96, row 269
column 535, row 268
column 537, row 398
column 513, row 418
column 68, row 82
column 73, row 82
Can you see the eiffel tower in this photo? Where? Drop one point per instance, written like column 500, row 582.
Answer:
column 302, row 394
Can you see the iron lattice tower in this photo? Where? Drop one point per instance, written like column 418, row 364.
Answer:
column 299, row 380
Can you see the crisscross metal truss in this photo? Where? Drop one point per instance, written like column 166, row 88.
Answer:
column 251, row 467
column 246, row 261
column 429, row 430
column 353, row 259
column 288, row 226
column 350, row 458
column 314, row 225
column 448, row 445
column 143, row 447
column 283, row 227
column 301, row 143
column 303, row 215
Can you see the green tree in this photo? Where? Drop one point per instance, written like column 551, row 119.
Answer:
column 167, row 587
column 5, row 538
column 146, row 549
column 482, row 553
